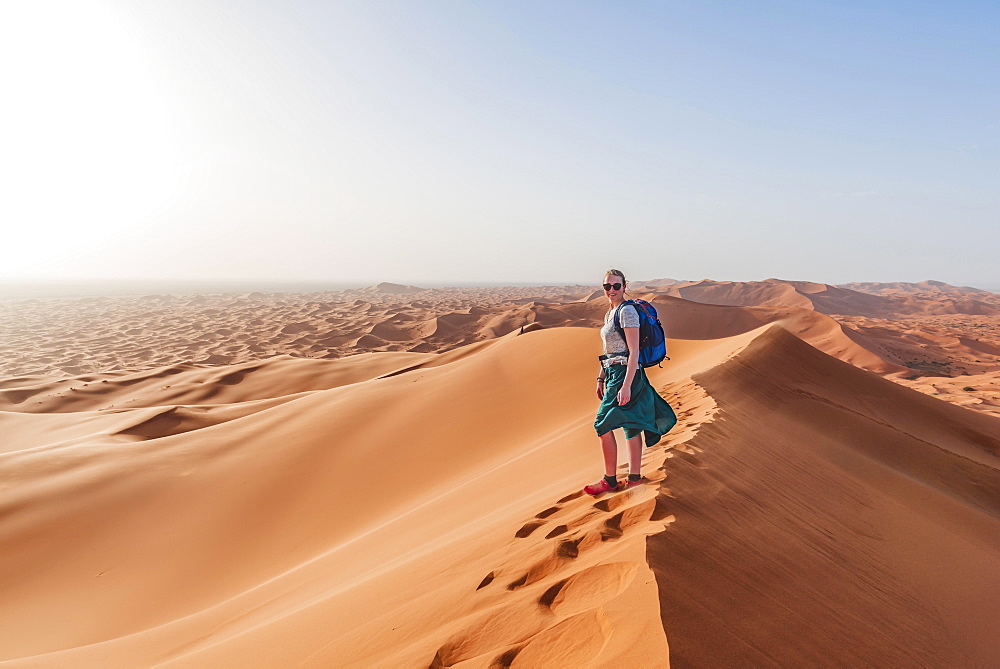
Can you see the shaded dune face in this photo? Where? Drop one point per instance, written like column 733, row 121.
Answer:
column 823, row 518
column 359, row 512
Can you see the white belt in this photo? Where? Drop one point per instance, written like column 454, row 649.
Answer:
column 617, row 360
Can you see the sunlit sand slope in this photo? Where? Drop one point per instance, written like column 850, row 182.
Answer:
column 196, row 384
column 429, row 516
column 828, row 517
column 425, row 511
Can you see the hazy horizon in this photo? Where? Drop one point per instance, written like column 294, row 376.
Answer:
column 499, row 142
column 61, row 289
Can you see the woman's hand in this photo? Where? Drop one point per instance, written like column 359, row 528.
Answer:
column 600, row 389
column 624, row 395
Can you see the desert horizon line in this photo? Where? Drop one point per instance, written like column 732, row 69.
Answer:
column 125, row 288
column 438, row 282
column 16, row 289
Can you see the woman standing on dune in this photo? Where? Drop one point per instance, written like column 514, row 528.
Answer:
column 627, row 399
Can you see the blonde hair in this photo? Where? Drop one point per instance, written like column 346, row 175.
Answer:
column 615, row 272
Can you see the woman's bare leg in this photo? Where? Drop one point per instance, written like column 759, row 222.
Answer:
column 635, row 454
column 610, row 447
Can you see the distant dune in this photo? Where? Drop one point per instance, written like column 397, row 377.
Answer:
column 905, row 334
column 871, row 300
column 927, row 288
column 236, row 481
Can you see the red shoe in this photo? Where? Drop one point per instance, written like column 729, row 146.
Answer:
column 601, row 486
column 629, row 483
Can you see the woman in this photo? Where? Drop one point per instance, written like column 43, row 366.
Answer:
column 627, row 399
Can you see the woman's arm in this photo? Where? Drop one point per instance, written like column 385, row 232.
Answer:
column 632, row 341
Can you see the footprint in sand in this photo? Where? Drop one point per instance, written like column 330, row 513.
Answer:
column 486, row 581
column 589, row 524
column 548, row 512
column 581, row 533
column 589, row 588
column 605, row 505
column 556, row 531
column 570, row 497
column 533, row 525
column 527, row 529
column 571, row 643
column 565, row 551
column 564, row 626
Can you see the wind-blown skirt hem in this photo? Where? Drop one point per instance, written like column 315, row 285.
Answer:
column 646, row 411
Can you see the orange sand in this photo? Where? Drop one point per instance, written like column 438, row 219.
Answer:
column 411, row 508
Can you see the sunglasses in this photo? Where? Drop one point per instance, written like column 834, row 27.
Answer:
column 612, row 286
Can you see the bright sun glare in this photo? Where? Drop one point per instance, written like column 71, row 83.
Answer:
column 88, row 148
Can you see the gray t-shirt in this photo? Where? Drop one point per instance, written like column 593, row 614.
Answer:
column 628, row 317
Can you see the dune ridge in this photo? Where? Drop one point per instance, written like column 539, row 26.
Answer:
column 226, row 517
column 926, row 288
column 873, row 507
column 49, row 340
column 571, row 555
column 929, row 298
column 423, row 508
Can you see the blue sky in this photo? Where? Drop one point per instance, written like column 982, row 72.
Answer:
column 503, row 141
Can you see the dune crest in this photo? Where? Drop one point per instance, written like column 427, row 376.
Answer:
column 246, row 513
column 906, row 331
column 867, row 505
column 420, row 505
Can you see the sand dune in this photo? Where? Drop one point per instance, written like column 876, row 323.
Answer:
column 195, row 384
column 923, row 288
column 870, row 300
column 95, row 336
column 403, row 509
column 286, row 512
column 834, row 519
column 693, row 320
column 74, row 337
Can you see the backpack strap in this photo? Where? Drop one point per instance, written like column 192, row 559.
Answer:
column 617, row 319
column 618, row 322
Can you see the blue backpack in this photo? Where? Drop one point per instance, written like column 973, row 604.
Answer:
column 652, row 342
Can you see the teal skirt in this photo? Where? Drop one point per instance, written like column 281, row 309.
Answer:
column 645, row 412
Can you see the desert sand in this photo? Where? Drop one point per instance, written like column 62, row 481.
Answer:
column 391, row 477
